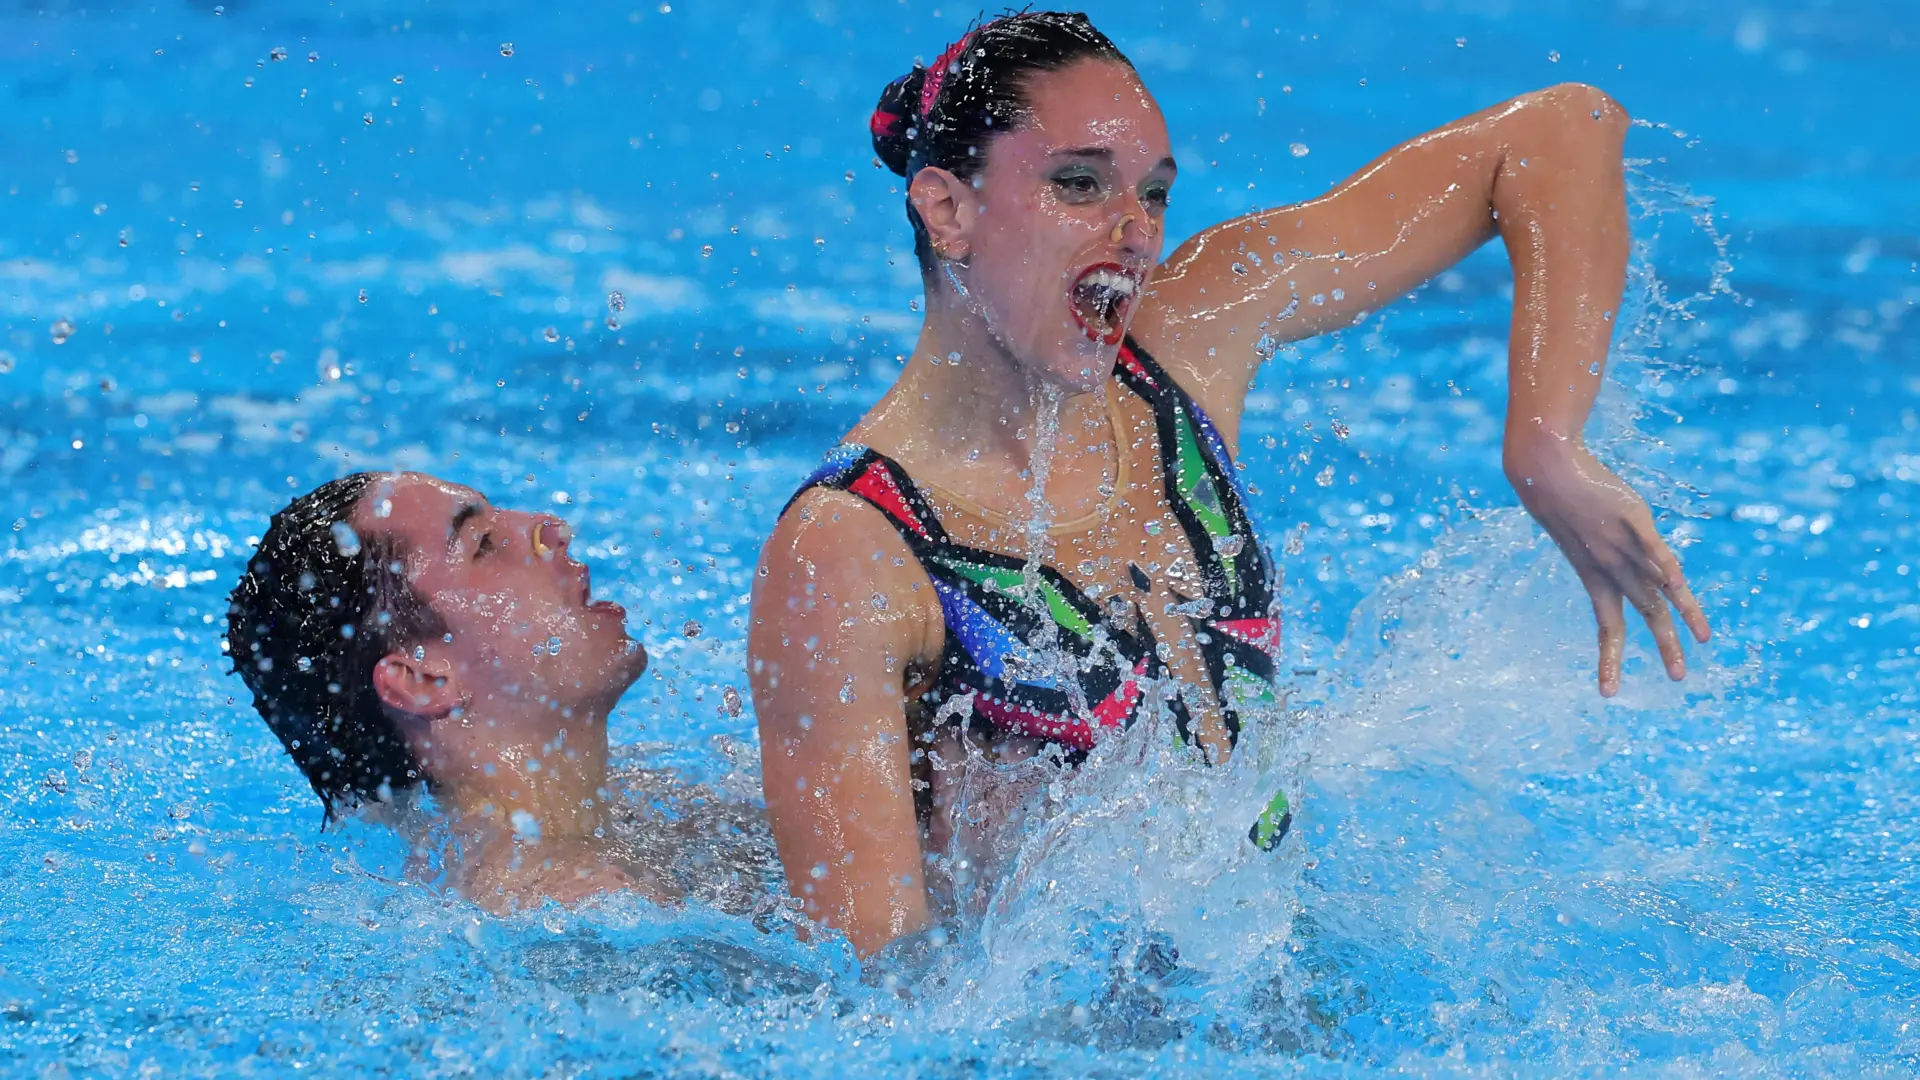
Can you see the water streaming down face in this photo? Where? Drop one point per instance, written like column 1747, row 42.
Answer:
column 1492, row 871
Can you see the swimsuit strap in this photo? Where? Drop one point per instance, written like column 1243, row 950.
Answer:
column 1007, row 631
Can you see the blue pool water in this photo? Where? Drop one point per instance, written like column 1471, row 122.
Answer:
column 226, row 277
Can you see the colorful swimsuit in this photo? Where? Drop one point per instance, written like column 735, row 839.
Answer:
column 1004, row 650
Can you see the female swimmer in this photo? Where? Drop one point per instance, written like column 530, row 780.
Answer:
column 913, row 596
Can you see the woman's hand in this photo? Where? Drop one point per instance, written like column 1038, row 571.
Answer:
column 1607, row 533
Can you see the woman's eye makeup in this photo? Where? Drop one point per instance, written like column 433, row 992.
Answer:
column 1077, row 183
column 1156, row 194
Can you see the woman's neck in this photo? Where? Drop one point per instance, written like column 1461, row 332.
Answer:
column 967, row 407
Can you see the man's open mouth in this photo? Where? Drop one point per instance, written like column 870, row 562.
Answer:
column 1100, row 299
column 604, row 607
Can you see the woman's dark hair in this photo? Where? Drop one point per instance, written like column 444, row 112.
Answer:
column 318, row 607
column 944, row 115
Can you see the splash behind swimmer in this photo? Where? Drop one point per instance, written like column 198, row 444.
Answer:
column 398, row 630
column 910, row 595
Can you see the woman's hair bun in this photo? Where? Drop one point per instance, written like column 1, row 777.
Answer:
column 894, row 119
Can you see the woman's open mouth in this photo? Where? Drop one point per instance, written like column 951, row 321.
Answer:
column 1100, row 300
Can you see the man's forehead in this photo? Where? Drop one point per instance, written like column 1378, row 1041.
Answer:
column 415, row 506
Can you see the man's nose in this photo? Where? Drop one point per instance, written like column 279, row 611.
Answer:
column 550, row 536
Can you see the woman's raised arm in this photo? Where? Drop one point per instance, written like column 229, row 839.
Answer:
column 836, row 621
column 1542, row 171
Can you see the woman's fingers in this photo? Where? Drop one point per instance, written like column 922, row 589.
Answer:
column 1611, row 616
column 1652, row 606
column 1682, row 596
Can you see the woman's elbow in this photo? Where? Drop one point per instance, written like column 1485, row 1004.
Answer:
column 1580, row 111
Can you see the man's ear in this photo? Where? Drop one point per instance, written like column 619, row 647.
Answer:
column 947, row 207
column 424, row 688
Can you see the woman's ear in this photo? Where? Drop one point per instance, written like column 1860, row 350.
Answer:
column 425, row 688
column 947, row 207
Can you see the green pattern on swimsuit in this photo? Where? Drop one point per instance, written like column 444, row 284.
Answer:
column 1010, row 582
column 1196, row 488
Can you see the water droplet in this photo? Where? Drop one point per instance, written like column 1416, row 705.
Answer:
column 362, row 297
column 879, row 601
column 6, row 361
column 313, row 58
column 1154, row 527
column 419, row 652
column 1298, row 149
column 706, row 251
column 1340, row 430
column 61, row 331
column 617, row 301
column 506, row 48
column 1231, row 546
column 551, row 334
column 692, row 628
column 1553, row 57
column 278, row 53
column 847, row 696
column 1324, row 477
column 730, row 699
column 525, row 825
column 56, row 781
column 367, row 119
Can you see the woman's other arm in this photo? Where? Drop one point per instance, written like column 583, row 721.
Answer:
column 836, row 620
column 1543, row 172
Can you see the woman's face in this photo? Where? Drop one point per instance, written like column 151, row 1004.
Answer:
column 1070, row 221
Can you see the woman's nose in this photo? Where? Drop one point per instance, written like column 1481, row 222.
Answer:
column 1136, row 228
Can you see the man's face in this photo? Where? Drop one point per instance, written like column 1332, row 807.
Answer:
column 515, row 602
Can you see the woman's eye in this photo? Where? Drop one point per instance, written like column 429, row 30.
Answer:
column 1155, row 196
column 1077, row 185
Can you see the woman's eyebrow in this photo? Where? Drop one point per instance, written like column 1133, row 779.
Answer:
column 1101, row 153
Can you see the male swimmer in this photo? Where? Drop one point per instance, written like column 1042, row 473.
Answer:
column 398, row 630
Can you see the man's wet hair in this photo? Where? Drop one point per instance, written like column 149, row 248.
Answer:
column 944, row 115
column 318, row 607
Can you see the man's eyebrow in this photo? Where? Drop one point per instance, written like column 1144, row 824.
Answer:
column 466, row 513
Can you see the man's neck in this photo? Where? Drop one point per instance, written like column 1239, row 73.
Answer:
column 546, row 792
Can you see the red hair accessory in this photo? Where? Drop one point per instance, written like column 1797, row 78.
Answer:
column 937, row 74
